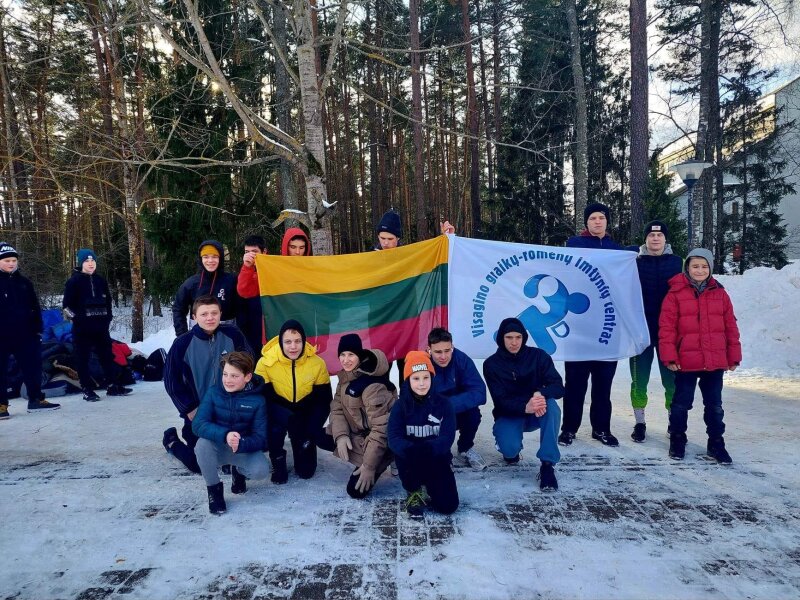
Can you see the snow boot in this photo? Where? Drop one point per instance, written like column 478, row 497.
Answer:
column 716, row 450
column 117, row 390
column 638, row 434
column 280, row 474
column 677, row 446
column 238, row 482
column 547, row 477
column 41, row 405
column 566, row 438
column 216, row 499
column 605, row 438
column 90, row 395
column 4, row 412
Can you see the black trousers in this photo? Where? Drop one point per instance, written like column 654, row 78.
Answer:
column 28, row 352
column 100, row 342
column 305, row 428
column 576, row 382
column 184, row 452
column 435, row 473
column 711, row 389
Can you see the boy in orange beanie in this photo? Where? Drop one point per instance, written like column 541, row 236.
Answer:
column 422, row 428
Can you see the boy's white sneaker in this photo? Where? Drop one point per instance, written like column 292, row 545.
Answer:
column 473, row 459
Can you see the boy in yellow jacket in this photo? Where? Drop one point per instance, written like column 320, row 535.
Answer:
column 298, row 394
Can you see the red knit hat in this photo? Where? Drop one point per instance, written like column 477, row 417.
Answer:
column 417, row 361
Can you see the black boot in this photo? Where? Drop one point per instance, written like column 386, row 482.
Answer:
column 280, row 474
column 716, row 450
column 117, row 390
column 239, row 482
column 216, row 499
column 677, row 446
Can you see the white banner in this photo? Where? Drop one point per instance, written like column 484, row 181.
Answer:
column 576, row 303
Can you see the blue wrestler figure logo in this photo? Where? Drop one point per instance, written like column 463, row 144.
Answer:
column 551, row 303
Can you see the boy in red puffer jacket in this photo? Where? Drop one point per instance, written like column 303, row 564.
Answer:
column 698, row 339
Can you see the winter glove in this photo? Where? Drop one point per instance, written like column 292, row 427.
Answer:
column 343, row 445
column 366, row 478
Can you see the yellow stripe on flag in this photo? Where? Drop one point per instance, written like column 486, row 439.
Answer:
column 279, row 275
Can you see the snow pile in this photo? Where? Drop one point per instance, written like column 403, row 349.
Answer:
column 764, row 300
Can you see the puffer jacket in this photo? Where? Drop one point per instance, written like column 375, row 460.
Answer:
column 698, row 331
column 244, row 411
column 20, row 313
column 88, row 301
column 219, row 284
column 360, row 410
column 291, row 382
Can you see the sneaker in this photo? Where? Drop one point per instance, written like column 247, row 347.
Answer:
column 90, row 395
column 239, row 482
column 170, row 437
column 513, row 461
column 216, row 499
column 605, row 438
column 4, row 412
column 117, row 390
column 415, row 504
column 42, row 405
column 638, row 434
column 473, row 459
column 566, row 438
column 716, row 450
column 677, row 447
column 547, row 477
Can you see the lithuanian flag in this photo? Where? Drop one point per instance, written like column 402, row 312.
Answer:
column 390, row 298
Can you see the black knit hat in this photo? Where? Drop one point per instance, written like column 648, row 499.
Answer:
column 390, row 223
column 350, row 343
column 7, row 251
column 593, row 208
column 657, row 226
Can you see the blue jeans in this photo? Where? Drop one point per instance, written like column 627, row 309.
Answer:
column 711, row 389
column 508, row 433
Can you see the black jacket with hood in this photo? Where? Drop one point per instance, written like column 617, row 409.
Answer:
column 20, row 314
column 219, row 284
column 513, row 378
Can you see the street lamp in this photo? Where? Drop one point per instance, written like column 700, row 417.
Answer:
column 690, row 171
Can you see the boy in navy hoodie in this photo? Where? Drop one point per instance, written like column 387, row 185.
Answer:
column 20, row 332
column 87, row 301
column 422, row 428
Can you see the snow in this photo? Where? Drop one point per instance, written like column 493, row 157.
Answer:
column 96, row 509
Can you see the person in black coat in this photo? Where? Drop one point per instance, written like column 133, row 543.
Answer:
column 210, row 279
column 656, row 264
column 87, row 302
column 524, row 385
column 577, row 373
column 20, row 332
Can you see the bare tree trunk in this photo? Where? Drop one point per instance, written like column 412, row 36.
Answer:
column 639, row 152
column 284, row 114
column 416, row 117
column 487, row 115
column 580, row 174
column 472, row 126
column 9, row 118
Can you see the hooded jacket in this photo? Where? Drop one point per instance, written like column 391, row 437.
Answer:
column 654, row 275
column 244, row 411
column 587, row 240
column 512, row 379
column 294, row 232
column 460, row 383
column 192, row 366
column 88, row 301
column 697, row 330
column 20, row 313
column 247, row 284
column 421, row 426
column 360, row 410
column 220, row 284
column 294, row 384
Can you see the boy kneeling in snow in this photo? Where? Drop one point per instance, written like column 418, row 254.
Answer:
column 422, row 428
column 231, row 425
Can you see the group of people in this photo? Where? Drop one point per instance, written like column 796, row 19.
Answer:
column 371, row 424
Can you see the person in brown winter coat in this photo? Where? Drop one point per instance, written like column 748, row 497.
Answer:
column 360, row 413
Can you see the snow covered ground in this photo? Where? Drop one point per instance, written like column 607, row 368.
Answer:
column 94, row 507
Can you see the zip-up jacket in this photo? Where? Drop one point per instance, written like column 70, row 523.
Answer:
column 587, row 240
column 219, row 284
column 460, row 383
column 420, row 427
column 192, row 366
column 513, row 378
column 20, row 313
column 360, row 410
column 88, row 301
column 654, row 275
column 244, row 411
column 697, row 330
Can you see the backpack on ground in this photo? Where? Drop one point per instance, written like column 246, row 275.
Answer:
column 154, row 369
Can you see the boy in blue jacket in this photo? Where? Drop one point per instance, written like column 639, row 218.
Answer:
column 422, row 428
column 192, row 368
column 524, row 385
column 231, row 424
column 458, row 380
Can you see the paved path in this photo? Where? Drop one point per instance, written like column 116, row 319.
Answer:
column 93, row 508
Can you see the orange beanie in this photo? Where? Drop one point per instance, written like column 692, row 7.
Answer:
column 417, row 361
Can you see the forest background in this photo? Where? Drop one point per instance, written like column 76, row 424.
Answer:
column 139, row 128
